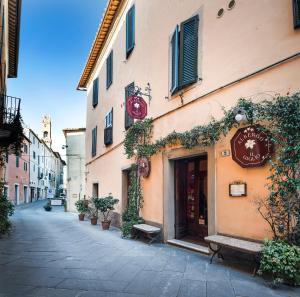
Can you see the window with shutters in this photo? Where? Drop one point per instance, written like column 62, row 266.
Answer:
column 94, row 142
column 129, row 91
column 17, row 161
column 184, row 54
column 108, row 131
column 95, row 92
column 130, row 30
column 109, row 70
column 296, row 8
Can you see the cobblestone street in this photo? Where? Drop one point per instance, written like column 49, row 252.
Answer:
column 53, row 254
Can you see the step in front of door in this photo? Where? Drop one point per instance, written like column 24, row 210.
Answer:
column 191, row 246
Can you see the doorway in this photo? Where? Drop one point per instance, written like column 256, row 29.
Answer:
column 17, row 194
column 95, row 190
column 191, row 214
column 25, row 194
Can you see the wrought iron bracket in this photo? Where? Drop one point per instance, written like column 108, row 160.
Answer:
column 147, row 92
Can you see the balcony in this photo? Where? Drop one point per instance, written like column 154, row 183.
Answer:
column 10, row 109
column 11, row 131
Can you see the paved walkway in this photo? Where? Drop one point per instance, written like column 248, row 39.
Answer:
column 53, row 254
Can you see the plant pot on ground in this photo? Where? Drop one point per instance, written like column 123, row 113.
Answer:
column 48, row 206
column 105, row 205
column 93, row 212
column 82, row 208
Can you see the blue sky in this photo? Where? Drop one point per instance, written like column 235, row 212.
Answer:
column 56, row 36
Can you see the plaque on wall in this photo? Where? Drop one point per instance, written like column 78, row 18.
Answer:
column 251, row 147
column 238, row 189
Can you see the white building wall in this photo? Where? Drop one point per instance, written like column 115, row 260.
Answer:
column 75, row 151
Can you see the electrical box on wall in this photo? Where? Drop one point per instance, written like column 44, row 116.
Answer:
column 225, row 153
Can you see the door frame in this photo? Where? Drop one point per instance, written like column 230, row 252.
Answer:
column 169, row 187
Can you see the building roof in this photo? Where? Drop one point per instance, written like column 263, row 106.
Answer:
column 14, row 20
column 71, row 130
column 101, row 36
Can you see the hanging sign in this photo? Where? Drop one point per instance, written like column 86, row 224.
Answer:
column 136, row 107
column 251, row 147
column 143, row 167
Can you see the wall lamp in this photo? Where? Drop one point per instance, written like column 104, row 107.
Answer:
column 240, row 115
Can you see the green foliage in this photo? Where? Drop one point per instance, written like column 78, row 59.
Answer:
column 135, row 201
column 282, row 261
column 82, row 206
column 6, row 210
column 13, row 143
column 48, row 206
column 105, row 205
column 92, row 210
column 280, row 118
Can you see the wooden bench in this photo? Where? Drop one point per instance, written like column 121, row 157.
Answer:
column 151, row 232
column 245, row 246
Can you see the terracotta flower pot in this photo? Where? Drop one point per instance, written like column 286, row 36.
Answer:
column 105, row 225
column 81, row 217
column 94, row 221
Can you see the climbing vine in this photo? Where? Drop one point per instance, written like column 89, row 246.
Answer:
column 135, row 203
column 280, row 117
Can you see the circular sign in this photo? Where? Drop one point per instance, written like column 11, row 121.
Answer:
column 136, row 107
column 251, row 147
column 143, row 167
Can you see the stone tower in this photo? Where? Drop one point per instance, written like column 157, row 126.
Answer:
column 46, row 130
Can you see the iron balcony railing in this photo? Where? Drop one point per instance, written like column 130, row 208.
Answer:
column 9, row 109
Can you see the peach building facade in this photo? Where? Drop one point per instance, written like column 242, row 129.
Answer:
column 238, row 55
column 17, row 183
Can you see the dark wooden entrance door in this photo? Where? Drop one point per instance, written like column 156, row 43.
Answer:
column 191, row 198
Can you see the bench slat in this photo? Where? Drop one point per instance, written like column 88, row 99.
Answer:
column 238, row 244
column 146, row 228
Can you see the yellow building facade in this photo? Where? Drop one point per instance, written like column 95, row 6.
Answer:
column 244, row 49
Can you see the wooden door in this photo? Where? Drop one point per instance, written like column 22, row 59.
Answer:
column 191, row 198
column 180, row 199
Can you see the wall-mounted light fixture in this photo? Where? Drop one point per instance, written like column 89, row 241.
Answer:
column 240, row 115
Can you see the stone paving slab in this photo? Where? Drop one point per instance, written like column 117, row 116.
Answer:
column 54, row 255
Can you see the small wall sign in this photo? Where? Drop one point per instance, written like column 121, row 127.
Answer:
column 238, row 189
column 136, row 107
column 143, row 167
column 250, row 147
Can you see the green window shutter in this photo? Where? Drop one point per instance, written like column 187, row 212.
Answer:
column 175, row 59
column 108, row 131
column 188, row 66
column 94, row 142
column 95, row 92
column 129, row 90
column 130, row 30
column 296, row 9
column 109, row 70
column 17, row 161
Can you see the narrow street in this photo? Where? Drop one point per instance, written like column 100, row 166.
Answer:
column 53, row 254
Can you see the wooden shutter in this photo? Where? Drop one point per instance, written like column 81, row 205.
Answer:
column 175, row 60
column 109, row 70
column 188, row 67
column 130, row 30
column 94, row 142
column 95, row 92
column 296, row 9
column 129, row 90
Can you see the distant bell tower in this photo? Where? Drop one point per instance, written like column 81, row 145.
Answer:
column 46, row 130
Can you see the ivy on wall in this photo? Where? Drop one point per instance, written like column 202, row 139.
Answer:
column 280, row 118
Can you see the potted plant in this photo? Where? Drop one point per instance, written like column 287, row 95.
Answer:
column 105, row 206
column 48, row 206
column 82, row 208
column 93, row 212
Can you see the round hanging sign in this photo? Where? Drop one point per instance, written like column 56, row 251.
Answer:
column 143, row 167
column 136, row 107
column 251, row 147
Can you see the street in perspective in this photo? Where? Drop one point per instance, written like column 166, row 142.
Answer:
column 149, row 148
